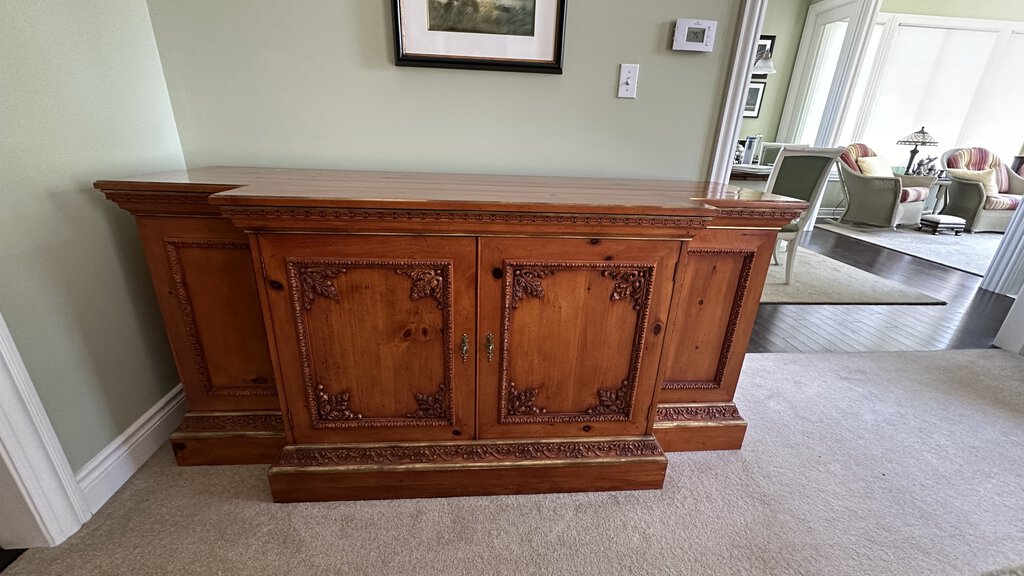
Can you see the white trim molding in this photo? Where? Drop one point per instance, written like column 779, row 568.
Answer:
column 736, row 91
column 102, row 476
column 1005, row 273
column 33, row 457
column 1011, row 335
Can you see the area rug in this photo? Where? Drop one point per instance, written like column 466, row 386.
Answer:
column 970, row 253
column 819, row 279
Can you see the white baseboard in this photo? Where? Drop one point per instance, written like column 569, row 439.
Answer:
column 104, row 475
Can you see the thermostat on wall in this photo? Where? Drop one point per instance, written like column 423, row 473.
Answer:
column 694, row 35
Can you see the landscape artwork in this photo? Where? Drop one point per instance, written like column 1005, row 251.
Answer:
column 506, row 17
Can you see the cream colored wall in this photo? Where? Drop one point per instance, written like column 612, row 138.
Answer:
column 784, row 19
column 82, row 97
column 984, row 9
column 313, row 84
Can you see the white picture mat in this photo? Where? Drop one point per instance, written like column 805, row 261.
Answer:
column 421, row 41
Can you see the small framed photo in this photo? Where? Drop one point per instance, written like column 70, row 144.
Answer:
column 512, row 35
column 765, row 44
column 752, row 104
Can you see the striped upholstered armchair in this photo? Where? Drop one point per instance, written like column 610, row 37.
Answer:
column 880, row 200
column 986, row 201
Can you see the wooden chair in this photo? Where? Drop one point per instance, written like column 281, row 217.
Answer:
column 770, row 152
column 800, row 172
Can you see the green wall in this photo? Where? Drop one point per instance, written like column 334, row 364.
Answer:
column 86, row 95
column 785, row 20
column 982, row 9
column 82, row 97
column 266, row 83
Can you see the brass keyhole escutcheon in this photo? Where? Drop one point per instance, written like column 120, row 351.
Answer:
column 465, row 348
column 489, row 347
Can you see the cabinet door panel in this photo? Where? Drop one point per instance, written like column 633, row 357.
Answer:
column 571, row 320
column 203, row 274
column 369, row 335
column 720, row 291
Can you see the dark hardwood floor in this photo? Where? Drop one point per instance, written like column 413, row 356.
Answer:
column 7, row 557
column 971, row 318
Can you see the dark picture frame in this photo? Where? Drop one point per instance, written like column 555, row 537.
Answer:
column 755, row 95
column 504, row 35
column 765, row 42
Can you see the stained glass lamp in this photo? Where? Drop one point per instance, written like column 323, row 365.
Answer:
column 919, row 138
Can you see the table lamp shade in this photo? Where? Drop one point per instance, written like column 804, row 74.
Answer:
column 919, row 138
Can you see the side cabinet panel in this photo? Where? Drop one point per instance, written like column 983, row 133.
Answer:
column 571, row 335
column 720, row 292
column 373, row 335
column 203, row 275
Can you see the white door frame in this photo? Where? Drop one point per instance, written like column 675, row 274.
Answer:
column 751, row 22
column 736, row 90
column 32, row 462
column 850, row 62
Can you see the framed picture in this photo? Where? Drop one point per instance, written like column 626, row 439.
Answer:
column 752, row 105
column 512, row 35
column 765, row 44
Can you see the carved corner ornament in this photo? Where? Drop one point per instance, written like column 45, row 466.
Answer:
column 426, row 282
column 334, row 407
column 520, row 402
column 631, row 284
column 526, row 282
column 432, row 406
column 318, row 281
column 615, row 401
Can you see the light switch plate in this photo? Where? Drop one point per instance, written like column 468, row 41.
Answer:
column 694, row 35
column 628, row 74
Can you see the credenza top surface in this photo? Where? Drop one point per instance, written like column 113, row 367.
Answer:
column 238, row 186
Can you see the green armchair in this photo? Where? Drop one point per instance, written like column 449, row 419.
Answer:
column 880, row 200
column 968, row 200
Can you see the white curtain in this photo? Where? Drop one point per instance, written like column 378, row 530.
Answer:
column 929, row 80
column 959, row 79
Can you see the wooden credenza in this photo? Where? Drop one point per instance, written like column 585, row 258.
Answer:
column 389, row 335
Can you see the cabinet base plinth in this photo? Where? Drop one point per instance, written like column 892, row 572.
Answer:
column 316, row 473
column 704, row 426
column 212, row 438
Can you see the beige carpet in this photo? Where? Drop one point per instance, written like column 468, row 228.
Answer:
column 970, row 253
column 819, row 279
column 880, row 464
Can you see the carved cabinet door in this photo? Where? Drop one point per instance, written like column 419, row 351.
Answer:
column 571, row 330
column 373, row 335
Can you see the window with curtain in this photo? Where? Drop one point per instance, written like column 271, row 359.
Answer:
column 959, row 78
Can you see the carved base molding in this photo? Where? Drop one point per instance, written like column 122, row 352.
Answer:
column 215, row 438
column 473, row 468
column 699, row 426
